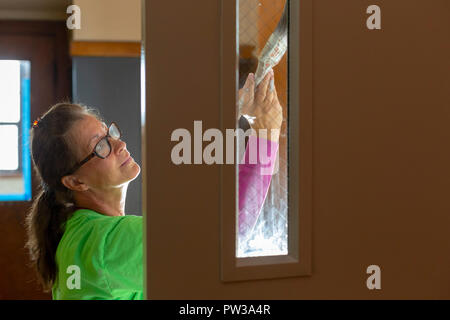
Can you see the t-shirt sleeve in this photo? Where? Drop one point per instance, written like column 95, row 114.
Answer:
column 123, row 255
column 255, row 175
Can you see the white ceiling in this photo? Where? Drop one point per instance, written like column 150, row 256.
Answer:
column 41, row 5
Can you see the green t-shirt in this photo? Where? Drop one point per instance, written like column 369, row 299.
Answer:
column 100, row 257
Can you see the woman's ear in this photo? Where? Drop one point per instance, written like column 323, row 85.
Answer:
column 71, row 182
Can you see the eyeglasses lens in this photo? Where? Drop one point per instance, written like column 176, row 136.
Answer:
column 103, row 149
column 114, row 132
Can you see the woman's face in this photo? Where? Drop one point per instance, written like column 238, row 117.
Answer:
column 97, row 173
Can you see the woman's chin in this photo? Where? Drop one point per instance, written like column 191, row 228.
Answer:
column 135, row 170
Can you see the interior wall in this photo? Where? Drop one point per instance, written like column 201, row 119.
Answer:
column 101, row 20
column 109, row 20
column 106, row 76
column 112, row 85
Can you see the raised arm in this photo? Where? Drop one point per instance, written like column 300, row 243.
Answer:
column 254, row 181
column 263, row 110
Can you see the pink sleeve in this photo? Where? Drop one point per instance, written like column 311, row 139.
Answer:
column 255, row 174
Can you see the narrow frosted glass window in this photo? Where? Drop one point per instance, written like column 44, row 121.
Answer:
column 15, row 161
column 10, row 91
column 262, row 227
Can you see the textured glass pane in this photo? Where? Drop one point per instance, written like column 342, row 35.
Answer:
column 262, row 216
column 9, row 146
column 9, row 91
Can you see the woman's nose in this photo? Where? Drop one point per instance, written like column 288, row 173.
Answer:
column 119, row 146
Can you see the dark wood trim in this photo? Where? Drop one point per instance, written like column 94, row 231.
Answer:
column 32, row 27
column 105, row 49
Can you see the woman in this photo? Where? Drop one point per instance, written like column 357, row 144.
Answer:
column 80, row 240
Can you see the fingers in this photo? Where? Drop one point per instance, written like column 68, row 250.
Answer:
column 276, row 113
column 248, row 91
column 275, row 110
column 246, row 94
column 249, row 87
column 275, row 93
column 263, row 86
column 270, row 90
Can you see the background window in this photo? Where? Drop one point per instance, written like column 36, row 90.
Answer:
column 15, row 169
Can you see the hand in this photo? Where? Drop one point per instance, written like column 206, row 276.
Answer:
column 262, row 105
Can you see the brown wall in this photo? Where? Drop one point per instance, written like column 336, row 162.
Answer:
column 109, row 20
column 381, row 177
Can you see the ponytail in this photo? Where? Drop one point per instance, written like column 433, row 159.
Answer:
column 45, row 223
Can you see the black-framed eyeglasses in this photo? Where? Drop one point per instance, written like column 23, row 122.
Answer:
column 103, row 148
